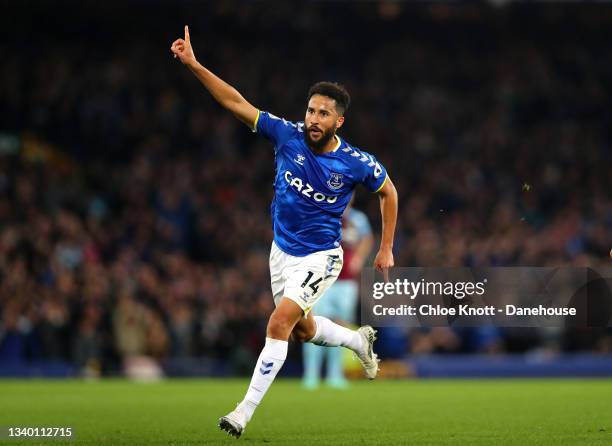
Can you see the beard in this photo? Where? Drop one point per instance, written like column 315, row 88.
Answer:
column 326, row 136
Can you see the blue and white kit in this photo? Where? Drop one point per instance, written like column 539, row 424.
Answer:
column 311, row 192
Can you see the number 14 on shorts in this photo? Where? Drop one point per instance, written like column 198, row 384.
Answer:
column 314, row 286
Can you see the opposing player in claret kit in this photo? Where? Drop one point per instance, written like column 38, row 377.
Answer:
column 316, row 172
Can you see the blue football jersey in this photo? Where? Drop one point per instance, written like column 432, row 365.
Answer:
column 311, row 191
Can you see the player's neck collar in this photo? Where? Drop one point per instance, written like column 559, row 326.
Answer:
column 337, row 145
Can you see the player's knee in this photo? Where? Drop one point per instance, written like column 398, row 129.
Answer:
column 278, row 328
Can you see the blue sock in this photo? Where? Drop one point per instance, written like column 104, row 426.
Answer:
column 335, row 369
column 313, row 361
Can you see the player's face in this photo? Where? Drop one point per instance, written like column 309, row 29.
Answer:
column 321, row 121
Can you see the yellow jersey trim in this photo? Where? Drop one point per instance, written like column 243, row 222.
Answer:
column 337, row 145
column 256, row 121
column 383, row 183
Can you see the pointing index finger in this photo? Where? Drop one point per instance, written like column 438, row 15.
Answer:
column 187, row 33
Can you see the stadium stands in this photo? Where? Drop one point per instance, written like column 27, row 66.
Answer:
column 134, row 211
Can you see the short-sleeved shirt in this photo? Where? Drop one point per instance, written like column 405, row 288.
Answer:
column 311, row 191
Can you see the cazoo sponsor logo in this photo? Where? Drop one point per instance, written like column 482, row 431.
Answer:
column 306, row 189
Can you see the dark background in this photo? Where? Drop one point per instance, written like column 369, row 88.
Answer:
column 134, row 210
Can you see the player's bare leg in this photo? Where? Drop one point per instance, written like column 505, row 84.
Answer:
column 271, row 359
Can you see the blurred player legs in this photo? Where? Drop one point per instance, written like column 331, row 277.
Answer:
column 338, row 304
column 340, row 300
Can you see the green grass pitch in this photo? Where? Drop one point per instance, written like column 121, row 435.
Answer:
column 430, row 412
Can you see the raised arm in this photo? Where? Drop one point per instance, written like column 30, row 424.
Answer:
column 225, row 94
column 388, row 210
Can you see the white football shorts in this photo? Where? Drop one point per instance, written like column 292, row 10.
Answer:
column 303, row 279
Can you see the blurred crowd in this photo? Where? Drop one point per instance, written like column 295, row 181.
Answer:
column 134, row 216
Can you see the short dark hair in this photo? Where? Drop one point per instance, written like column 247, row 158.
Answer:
column 332, row 90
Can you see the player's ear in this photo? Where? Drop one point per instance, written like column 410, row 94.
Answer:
column 339, row 122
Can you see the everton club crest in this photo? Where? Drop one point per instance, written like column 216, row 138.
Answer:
column 335, row 181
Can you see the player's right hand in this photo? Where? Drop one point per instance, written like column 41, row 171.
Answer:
column 384, row 261
column 182, row 49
